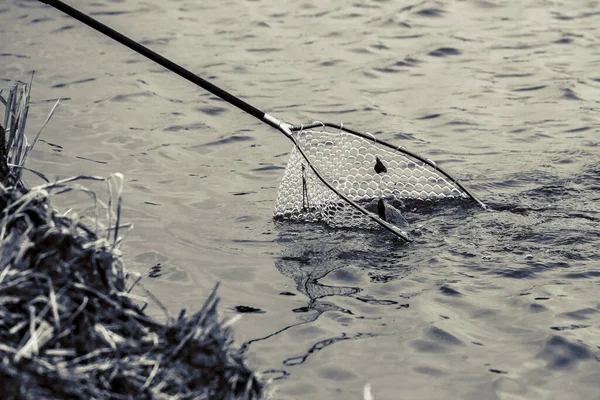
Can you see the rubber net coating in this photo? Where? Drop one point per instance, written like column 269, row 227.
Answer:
column 363, row 170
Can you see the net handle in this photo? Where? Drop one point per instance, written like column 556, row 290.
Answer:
column 368, row 136
column 168, row 64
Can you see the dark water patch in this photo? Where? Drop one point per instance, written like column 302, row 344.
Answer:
column 520, row 46
column 330, row 63
column 529, row 89
column 568, row 327
column 136, row 60
column 582, row 275
column 64, row 28
column 430, row 12
column 111, row 13
column 269, row 167
column 229, row 140
column 190, row 127
column 129, row 97
column 498, row 371
column 569, row 94
column 581, row 315
column 246, row 219
column 431, row 116
column 372, row 301
column 516, row 273
column 444, row 51
column 551, row 189
column 426, row 346
column 575, row 130
column 287, row 294
column 367, row 6
column 301, row 259
column 60, row 85
column 335, row 374
column 379, row 46
column 40, row 20
column 383, row 278
column 215, row 98
column 212, row 110
column 564, row 41
column 518, row 130
column 526, row 75
column 241, row 309
column 343, row 274
column 347, row 111
column 241, row 193
column 460, row 123
column 13, row 55
column 386, row 70
column 405, row 63
column 349, row 15
column 441, row 336
column 448, row 291
column 155, row 42
column 561, row 354
column 429, row 371
column 537, row 308
column 563, row 17
column 264, row 50
column 487, row 4
column 416, row 36
column 360, row 50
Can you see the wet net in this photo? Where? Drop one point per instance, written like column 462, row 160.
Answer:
column 360, row 168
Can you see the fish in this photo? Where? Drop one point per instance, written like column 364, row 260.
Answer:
column 379, row 166
column 391, row 214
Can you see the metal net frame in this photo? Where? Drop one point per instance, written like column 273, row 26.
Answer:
column 338, row 176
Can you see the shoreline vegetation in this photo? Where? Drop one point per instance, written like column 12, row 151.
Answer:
column 70, row 328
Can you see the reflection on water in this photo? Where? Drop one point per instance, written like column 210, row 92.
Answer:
column 504, row 95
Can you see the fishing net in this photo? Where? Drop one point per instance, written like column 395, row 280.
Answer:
column 359, row 167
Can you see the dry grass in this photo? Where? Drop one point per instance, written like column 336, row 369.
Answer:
column 70, row 328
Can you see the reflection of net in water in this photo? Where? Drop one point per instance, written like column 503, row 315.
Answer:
column 306, row 276
column 361, row 168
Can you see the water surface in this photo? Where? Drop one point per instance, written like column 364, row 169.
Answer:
column 505, row 95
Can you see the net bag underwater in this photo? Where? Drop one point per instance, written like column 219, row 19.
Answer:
column 335, row 175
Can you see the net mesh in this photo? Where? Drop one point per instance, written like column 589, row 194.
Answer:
column 362, row 169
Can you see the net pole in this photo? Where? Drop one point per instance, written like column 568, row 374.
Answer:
column 168, row 64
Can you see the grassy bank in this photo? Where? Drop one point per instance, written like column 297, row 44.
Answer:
column 70, row 327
